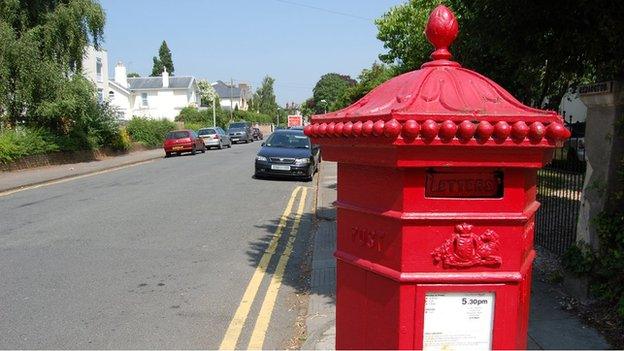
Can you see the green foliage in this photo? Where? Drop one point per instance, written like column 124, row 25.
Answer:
column 535, row 49
column 208, row 94
column 122, row 141
column 329, row 89
column 75, row 113
column 164, row 60
column 22, row 142
column 149, row 132
column 132, row 75
column 368, row 80
column 252, row 117
column 203, row 118
column 194, row 118
column 578, row 259
column 264, row 98
column 401, row 30
column 42, row 44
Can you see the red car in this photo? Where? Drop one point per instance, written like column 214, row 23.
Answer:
column 179, row 141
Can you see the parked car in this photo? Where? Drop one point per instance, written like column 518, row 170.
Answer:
column 215, row 137
column 179, row 141
column 257, row 134
column 240, row 131
column 288, row 153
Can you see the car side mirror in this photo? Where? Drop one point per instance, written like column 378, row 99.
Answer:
column 262, row 144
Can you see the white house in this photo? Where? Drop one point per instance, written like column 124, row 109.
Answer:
column 95, row 67
column 233, row 96
column 153, row 97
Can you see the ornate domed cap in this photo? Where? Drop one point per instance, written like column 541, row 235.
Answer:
column 442, row 91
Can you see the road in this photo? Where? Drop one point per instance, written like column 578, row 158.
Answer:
column 158, row 255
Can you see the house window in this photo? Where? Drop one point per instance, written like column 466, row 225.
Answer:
column 144, row 99
column 100, row 95
column 98, row 69
column 111, row 95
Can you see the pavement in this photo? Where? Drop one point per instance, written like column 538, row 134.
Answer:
column 550, row 327
column 28, row 177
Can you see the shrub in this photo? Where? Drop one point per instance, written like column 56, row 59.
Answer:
column 194, row 118
column 77, row 119
column 149, row 132
column 122, row 140
column 22, row 142
column 253, row 117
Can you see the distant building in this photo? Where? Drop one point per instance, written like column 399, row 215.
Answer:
column 233, row 96
column 153, row 97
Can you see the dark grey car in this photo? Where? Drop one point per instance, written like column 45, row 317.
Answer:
column 240, row 132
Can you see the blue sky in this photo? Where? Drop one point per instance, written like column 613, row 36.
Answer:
column 245, row 40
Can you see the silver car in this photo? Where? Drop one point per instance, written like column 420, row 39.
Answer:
column 215, row 137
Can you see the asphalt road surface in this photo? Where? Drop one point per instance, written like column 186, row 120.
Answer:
column 174, row 253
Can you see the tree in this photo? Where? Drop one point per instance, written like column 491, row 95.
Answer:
column 164, row 60
column 208, row 94
column 133, row 75
column 401, row 31
column 368, row 80
column 330, row 89
column 535, row 49
column 42, row 43
column 264, row 98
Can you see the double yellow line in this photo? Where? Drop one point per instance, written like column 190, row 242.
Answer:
column 242, row 312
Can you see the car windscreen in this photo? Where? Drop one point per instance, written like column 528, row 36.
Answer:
column 288, row 140
column 177, row 135
column 206, row 132
column 237, row 126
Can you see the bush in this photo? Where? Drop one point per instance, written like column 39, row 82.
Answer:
column 252, row 117
column 149, row 132
column 19, row 143
column 194, row 118
column 76, row 118
column 122, row 141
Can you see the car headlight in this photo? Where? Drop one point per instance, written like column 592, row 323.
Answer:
column 302, row 161
column 261, row 158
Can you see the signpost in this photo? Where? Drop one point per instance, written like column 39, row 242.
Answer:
column 295, row 121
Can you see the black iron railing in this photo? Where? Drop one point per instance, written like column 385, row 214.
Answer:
column 560, row 185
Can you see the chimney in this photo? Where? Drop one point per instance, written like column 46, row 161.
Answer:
column 121, row 76
column 165, row 78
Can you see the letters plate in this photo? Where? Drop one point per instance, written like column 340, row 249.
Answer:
column 458, row 321
column 465, row 185
column 280, row 167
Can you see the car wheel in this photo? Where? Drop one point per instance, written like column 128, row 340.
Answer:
column 220, row 145
column 204, row 149
column 167, row 154
column 193, row 151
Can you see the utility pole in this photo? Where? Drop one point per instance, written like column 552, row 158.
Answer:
column 214, row 115
column 231, row 99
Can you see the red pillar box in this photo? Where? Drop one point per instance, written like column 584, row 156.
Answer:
column 436, row 204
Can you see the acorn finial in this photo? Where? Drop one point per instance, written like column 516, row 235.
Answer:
column 441, row 31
